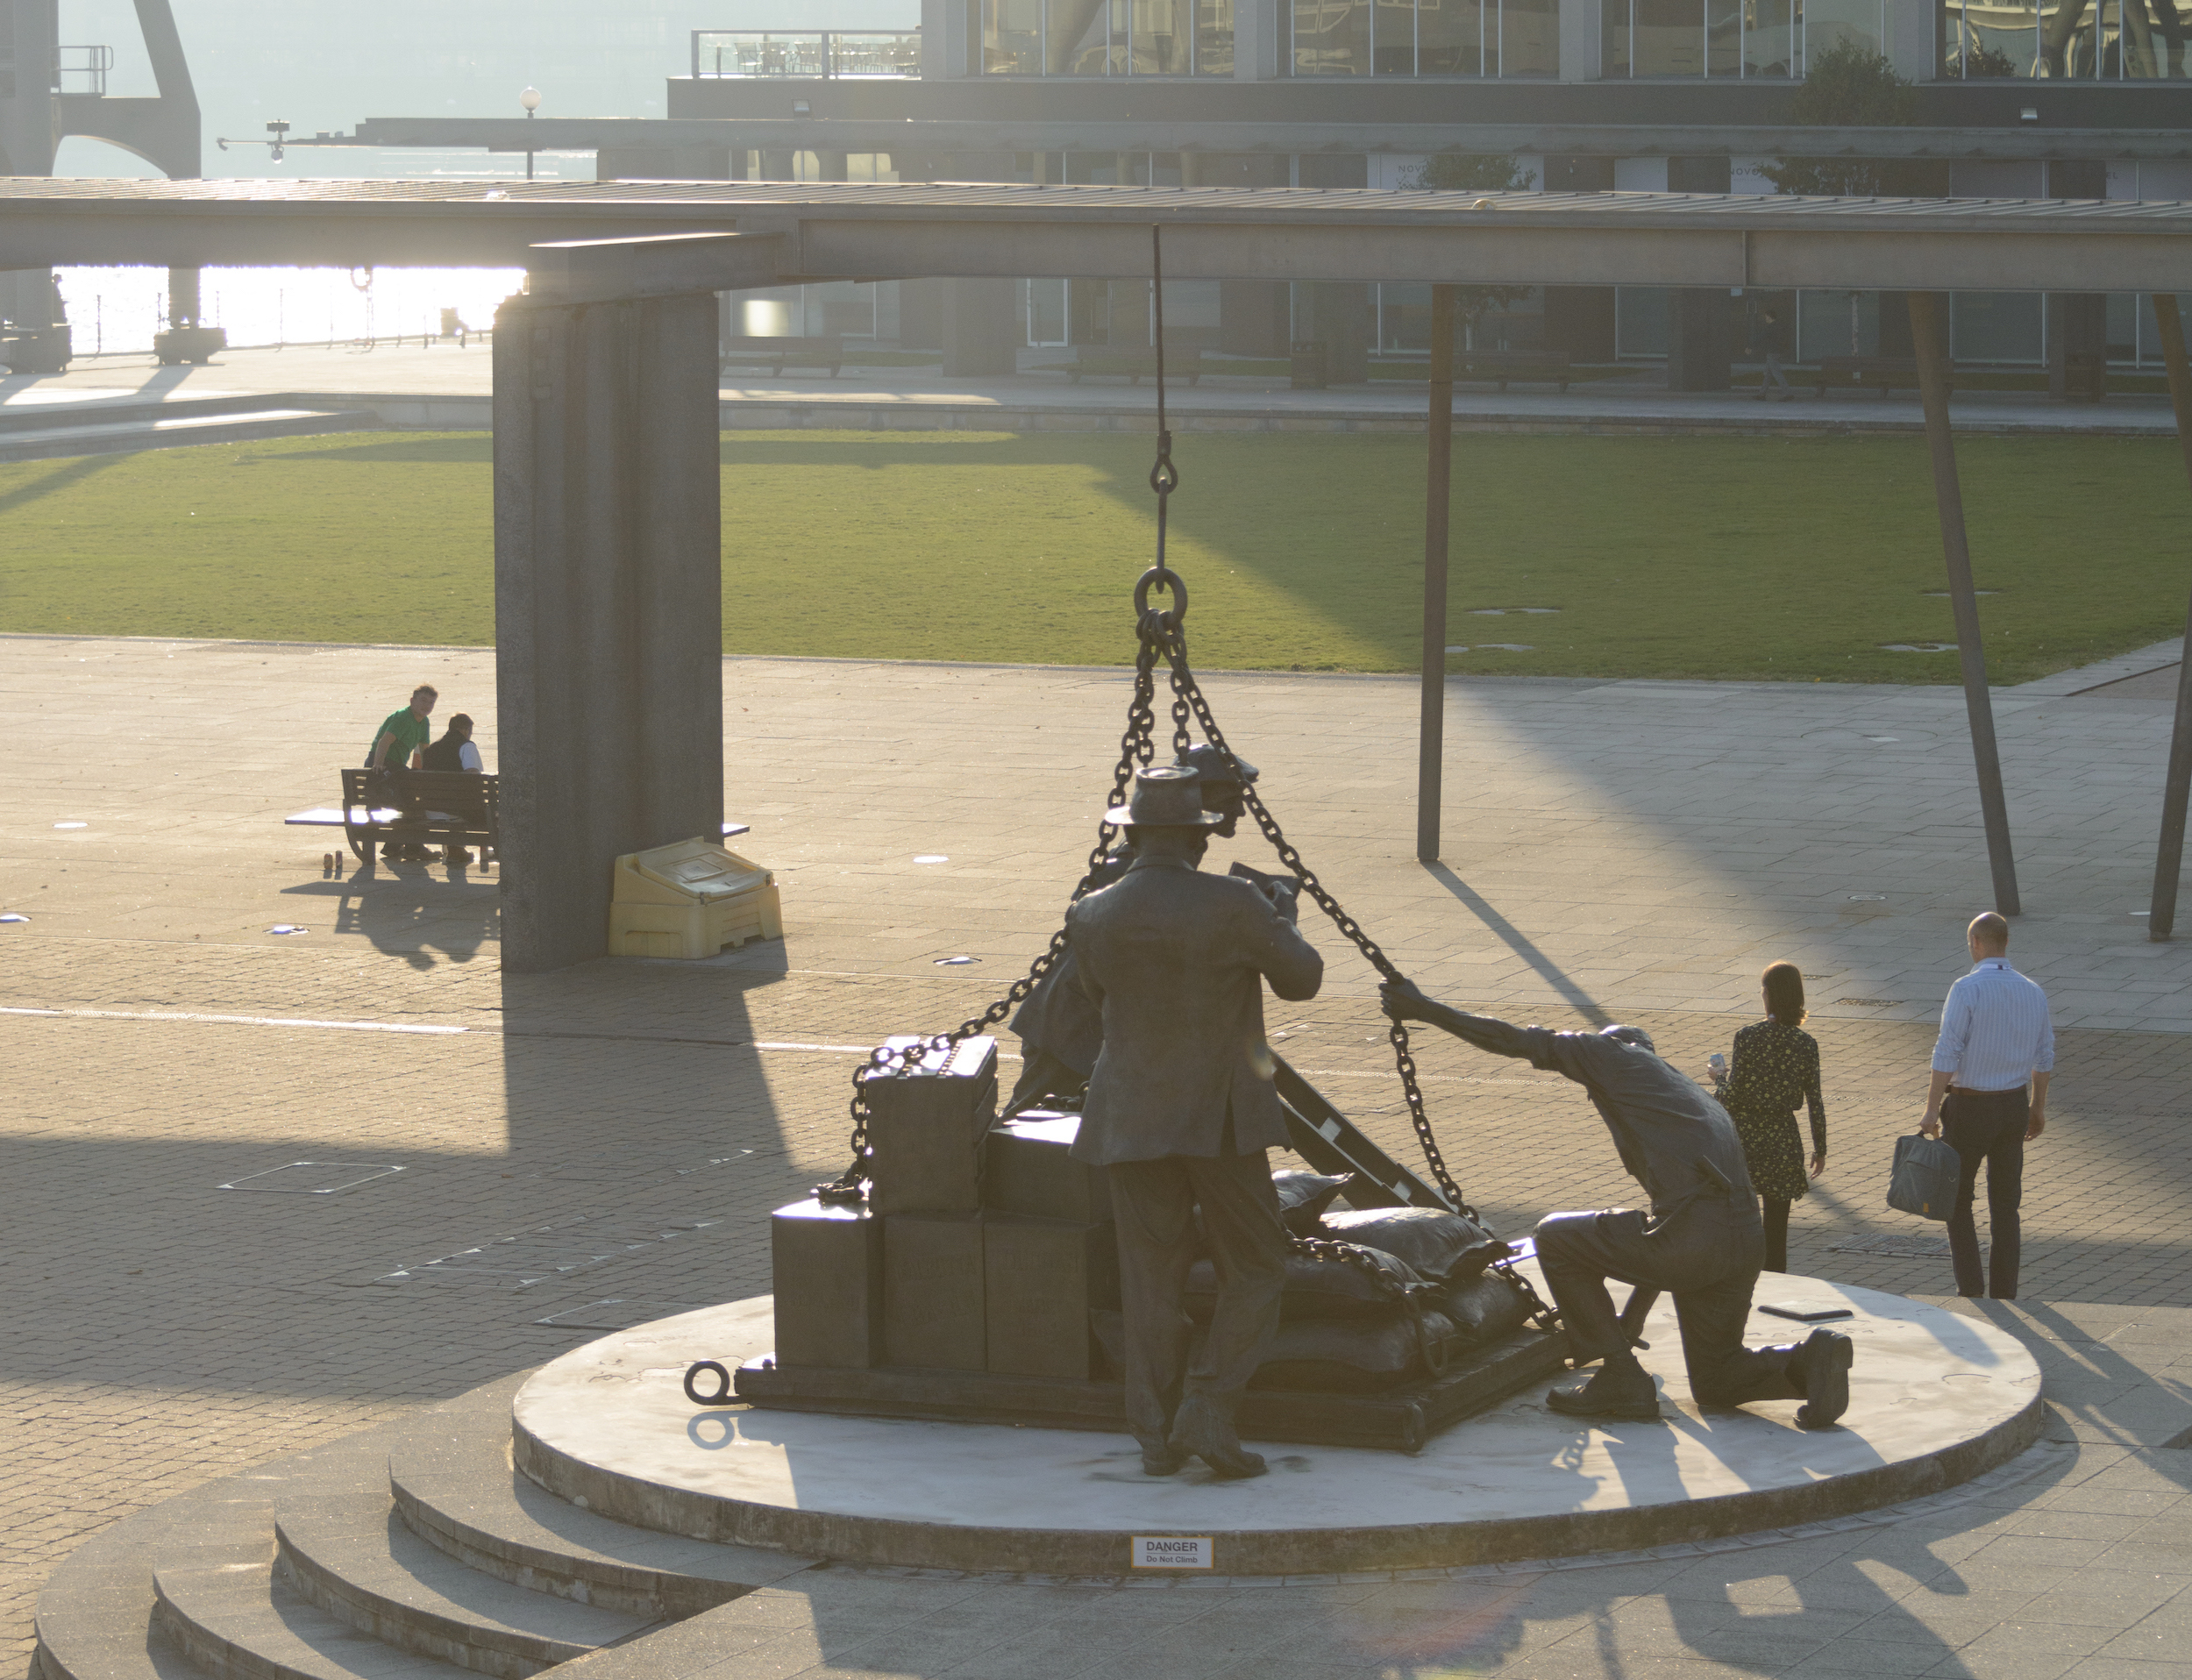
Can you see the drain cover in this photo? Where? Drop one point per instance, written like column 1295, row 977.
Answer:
column 1867, row 1003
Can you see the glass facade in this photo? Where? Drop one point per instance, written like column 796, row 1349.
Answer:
column 2090, row 40
column 1426, row 37
column 1730, row 37
column 1102, row 38
column 806, row 54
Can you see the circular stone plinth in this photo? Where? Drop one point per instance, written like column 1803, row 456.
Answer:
column 1934, row 1401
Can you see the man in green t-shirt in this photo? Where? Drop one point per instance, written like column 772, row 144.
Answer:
column 397, row 745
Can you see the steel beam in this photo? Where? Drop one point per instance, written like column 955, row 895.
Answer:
column 2169, row 855
column 1929, row 340
column 928, row 137
column 1437, row 506
column 857, row 231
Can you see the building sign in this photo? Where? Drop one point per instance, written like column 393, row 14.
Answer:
column 1173, row 1552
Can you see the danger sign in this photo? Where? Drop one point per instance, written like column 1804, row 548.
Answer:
column 1171, row 1552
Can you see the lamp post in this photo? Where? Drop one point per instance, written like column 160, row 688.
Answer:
column 531, row 100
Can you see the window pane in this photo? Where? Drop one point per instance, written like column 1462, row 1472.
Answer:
column 1669, row 38
column 1331, row 38
column 1080, row 38
column 1997, row 326
column 1723, row 36
column 1769, row 39
column 1826, row 22
column 1639, row 321
column 1160, row 36
column 2154, row 36
column 1213, row 37
column 2065, row 38
column 1529, row 37
column 1984, row 38
column 1394, row 50
column 1448, row 38
column 1011, row 37
column 1613, row 38
column 1836, row 324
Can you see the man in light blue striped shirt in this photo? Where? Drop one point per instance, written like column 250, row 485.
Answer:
column 1991, row 1065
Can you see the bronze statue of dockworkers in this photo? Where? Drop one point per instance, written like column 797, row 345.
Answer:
column 1703, row 1240
column 1180, row 1110
column 1060, row 1031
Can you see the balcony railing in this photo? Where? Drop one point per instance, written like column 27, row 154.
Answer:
column 81, row 69
column 806, row 54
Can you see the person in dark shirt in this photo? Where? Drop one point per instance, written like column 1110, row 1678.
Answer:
column 1701, row 1241
column 454, row 751
column 1776, row 1070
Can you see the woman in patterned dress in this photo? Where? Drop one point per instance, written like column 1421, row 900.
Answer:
column 1777, row 1067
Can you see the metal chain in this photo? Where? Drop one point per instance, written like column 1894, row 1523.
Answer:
column 1185, row 686
column 1135, row 747
column 1186, row 689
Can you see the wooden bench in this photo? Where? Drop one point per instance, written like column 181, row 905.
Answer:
column 1538, row 366
column 1135, row 363
column 777, row 354
column 413, row 808
column 1864, row 372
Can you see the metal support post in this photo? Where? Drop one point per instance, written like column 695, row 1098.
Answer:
column 609, row 604
column 1930, row 343
column 1438, row 494
column 2169, row 858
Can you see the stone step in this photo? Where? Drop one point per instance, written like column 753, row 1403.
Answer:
column 237, row 1621
column 352, row 1557
column 453, row 1487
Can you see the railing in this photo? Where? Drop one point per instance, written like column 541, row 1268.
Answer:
column 82, row 69
column 806, row 54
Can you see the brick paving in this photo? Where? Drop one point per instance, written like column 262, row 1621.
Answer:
column 1629, row 849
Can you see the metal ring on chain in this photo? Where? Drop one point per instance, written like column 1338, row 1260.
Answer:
column 1160, row 577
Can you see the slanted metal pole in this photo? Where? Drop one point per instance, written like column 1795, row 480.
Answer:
column 2169, row 858
column 1928, row 340
column 1438, row 492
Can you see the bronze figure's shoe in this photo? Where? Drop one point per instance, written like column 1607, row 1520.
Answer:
column 1621, row 1391
column 1162, row 1461
column 1825, row 1359
column 1202, row 1431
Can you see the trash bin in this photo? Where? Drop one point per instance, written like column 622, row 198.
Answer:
column 1309, row 365
column 690, row 899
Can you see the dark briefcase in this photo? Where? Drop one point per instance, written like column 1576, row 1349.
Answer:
column 1924, row 1178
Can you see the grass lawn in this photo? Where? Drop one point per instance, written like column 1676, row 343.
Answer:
column 1663, row 556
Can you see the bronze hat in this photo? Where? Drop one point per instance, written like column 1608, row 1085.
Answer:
column 1165, row 796
column 1215, row 768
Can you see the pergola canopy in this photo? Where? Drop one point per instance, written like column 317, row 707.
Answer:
column 838, row 231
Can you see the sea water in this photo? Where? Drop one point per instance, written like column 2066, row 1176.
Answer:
column 116, row 311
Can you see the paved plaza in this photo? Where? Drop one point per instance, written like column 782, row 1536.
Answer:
column 1614, row 851
column 444, row 384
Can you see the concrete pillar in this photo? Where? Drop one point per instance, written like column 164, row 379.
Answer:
column 2077, row 330
column 1260, row 46
column 1579, row 40
column 1914, row 29
column 182, row 297
column 608, row 604
column 981, row 329
column 1337, row 314
column 1699, row 329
